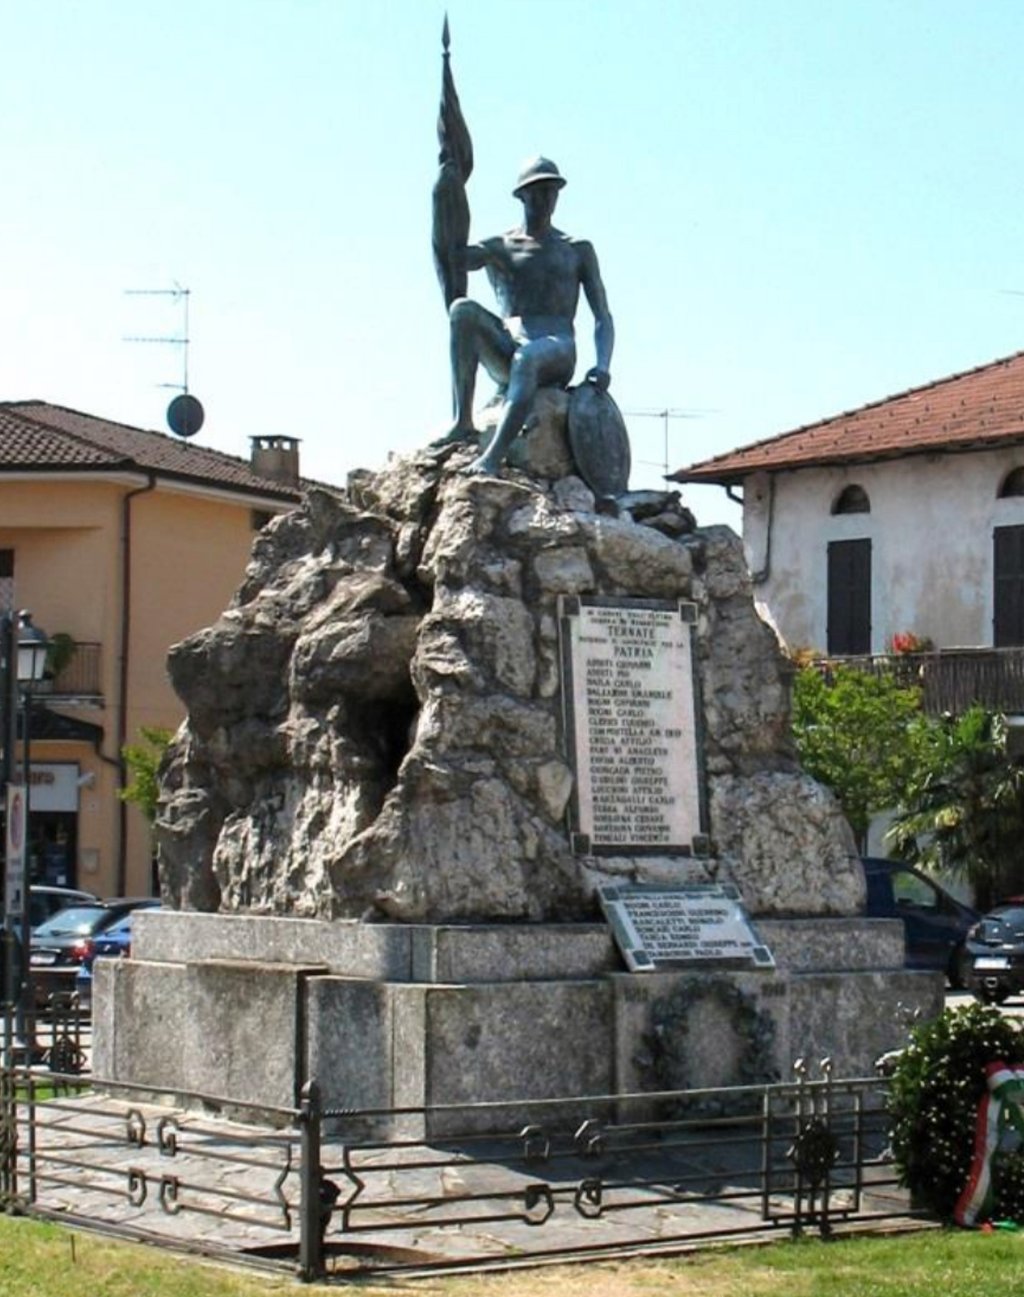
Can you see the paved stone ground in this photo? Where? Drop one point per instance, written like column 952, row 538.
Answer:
column 205, row 1181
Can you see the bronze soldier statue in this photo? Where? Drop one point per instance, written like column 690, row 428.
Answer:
column 537, row 272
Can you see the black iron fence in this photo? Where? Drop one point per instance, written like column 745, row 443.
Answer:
column 106, row 1156
column 343, row 1192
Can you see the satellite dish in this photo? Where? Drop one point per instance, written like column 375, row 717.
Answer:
column 185, row 415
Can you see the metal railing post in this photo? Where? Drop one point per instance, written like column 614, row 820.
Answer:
column 311, row 1218
column 766, row 1153
column 8, row 1136
column 31, row 1112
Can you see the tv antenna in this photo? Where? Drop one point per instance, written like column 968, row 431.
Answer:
column 185, row 413
column 665, row 416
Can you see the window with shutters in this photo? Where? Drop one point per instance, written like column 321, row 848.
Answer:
column 1008, row 594
column 849, row 596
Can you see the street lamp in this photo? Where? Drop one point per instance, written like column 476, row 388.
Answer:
column 33, row 646
column 25, row 648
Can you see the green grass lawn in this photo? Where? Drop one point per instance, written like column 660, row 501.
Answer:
column 37, row 1259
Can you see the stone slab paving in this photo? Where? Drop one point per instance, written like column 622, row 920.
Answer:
column 202, row 1180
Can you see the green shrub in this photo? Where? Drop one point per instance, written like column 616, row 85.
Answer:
column 937, row 1084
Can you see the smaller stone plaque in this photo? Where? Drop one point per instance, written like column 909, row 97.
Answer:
column 696, row 924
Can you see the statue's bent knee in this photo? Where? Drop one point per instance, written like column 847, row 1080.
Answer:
column 464, row 311
column 525, row 368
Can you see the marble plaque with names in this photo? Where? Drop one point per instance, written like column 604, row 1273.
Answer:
column 631, row 722
column 696, row 924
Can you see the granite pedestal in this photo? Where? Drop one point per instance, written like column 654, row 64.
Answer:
column 407, row 1015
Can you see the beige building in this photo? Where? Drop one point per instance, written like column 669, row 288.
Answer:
column 121, row 542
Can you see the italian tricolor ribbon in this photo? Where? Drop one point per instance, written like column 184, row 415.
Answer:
column 1002, row 1106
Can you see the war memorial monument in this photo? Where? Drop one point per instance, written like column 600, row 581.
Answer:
column 486, row 789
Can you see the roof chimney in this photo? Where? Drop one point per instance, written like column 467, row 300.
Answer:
column 276, row 458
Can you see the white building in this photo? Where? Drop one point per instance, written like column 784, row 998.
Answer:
column 906, row 515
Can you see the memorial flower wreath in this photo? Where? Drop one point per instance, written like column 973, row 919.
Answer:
column 938, row 1087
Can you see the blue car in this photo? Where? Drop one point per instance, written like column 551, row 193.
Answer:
column 114, row 943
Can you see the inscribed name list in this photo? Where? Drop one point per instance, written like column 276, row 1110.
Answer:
column 700, row 923
column 633, row 718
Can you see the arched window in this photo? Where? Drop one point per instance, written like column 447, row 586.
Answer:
column 852, row 499
column 1013, row 483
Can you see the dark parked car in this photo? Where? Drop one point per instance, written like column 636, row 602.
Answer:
column 46, row 901
column 935, row 924
column 995, row 947
column 43, row 903
column 68, row 938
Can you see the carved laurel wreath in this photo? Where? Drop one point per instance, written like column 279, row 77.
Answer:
column 665, row 1060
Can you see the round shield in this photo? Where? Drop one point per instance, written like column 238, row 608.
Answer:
column 598, row 441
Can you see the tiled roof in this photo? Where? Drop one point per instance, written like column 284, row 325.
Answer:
column 980, row 407
column 38, row 437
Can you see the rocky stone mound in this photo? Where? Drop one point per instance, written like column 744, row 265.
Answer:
column 374, row 725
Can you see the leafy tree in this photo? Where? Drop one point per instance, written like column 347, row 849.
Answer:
column 966, row 812
column 143, row 762
column 863, row 735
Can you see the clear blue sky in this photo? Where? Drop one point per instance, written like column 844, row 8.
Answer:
column 798, row 206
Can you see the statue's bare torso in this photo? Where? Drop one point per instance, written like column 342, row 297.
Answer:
column 536, row 281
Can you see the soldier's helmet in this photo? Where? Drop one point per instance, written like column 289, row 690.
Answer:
column 536, row 170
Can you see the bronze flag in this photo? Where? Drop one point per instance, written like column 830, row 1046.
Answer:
column 451, row 207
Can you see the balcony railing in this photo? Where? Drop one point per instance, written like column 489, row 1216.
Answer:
column 78, row 678
column 951, row 680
